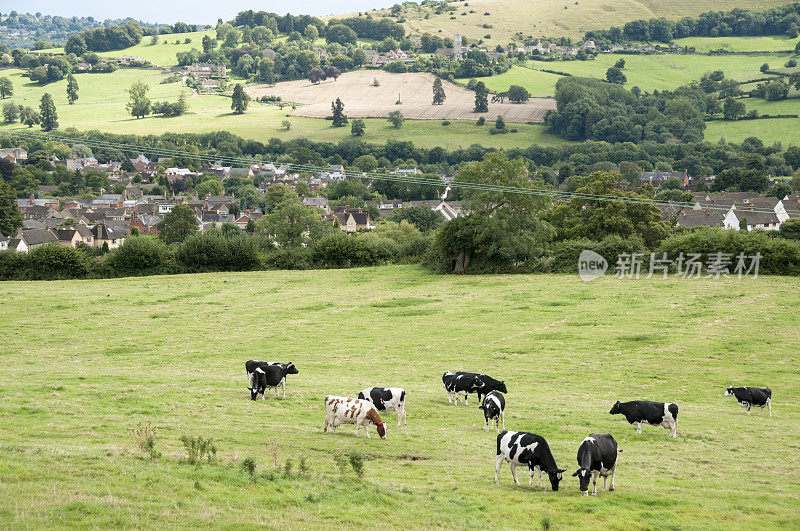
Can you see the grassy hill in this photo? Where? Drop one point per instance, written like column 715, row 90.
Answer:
column 99, row 357
column 551, row 18
column 103, row 97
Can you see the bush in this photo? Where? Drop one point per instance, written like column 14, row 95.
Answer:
column 564, row 254
column 288, row 258
column 142, row 255
column 212, row 251
column 53, row 261
column 13, row 265
column 336, row 250
column 198, row 448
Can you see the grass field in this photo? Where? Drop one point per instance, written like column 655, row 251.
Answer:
column 783, row 130
column 771, row 43
column 648, row 72
column 102, row 99
column 551, row 18
column 83, row 361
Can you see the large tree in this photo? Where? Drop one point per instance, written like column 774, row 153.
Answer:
column 139, row 104
column 47, row 110
column 239, row 99
column 6, row 87
column 733, row 109
column 337, row 109
column 178, row 224
column 292, row 223
column 438, row 92
column 396, row 118
column 481, row 98
column 615, row 75
column 10, row 215
column 72, row 89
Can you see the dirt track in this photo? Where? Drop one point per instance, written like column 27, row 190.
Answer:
column 361, row 99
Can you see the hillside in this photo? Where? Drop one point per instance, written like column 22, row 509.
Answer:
column 551, row 18
column 567, row 350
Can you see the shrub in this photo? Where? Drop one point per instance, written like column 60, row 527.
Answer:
column 212, row 251
column 481, row 121
column 13, row 265
column 357, row 462
column 141, row 255
column 198, row 448
column 249, row 465
column 53, row 261
column 336, row 250
column 145, row 437
column 288, row 258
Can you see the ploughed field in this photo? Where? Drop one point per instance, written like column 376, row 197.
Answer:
column 362, row 99
column 84, row 361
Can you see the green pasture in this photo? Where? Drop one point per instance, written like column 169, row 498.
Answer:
column 648, row 72
column 767, row 43
column 102, row 99
column 86, row 361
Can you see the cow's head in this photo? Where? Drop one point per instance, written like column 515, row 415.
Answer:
column 253, row 393
column 615, row 409
column 380, row 425
column 584, row 474
column 502, row 387
column 445, row 375
column 381, row 429
column 555, row 477
column 291, row 369
column 728, row 391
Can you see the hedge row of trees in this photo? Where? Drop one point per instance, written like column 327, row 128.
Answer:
column 740, row 22
column 105, row 39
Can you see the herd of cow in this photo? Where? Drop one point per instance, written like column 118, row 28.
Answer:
column 597, row 454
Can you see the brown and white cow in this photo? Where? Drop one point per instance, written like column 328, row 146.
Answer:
column 341, row 409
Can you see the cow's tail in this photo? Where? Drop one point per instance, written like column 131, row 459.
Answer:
column 673, row 409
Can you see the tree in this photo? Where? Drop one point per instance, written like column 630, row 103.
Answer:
column 518, row 94
column 358, row 127
column 790, row 229
column 341, row 34
column 337, row 108
column 178, row 224
column 438, row 92
column 316, row 75
column 11, row 112
column 239, row 99
column 11, row 217
column 210, row 187
column 396, row 119
column 47, row 109
column 286, row 124
column 72, row 89
column 291, row 223
column 481, row 97
column 421, row 217
column 500, row 124
column 6, row 87
column 732, row 109
column 615, row 75
column 620, row 64
column 764, row 68
column 139, row 104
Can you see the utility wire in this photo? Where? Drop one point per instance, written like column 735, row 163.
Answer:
column 484, row 187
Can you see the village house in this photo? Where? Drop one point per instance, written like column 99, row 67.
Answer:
column 657, row 178
column 13, row 155
column 206, row 70
column 350, row 219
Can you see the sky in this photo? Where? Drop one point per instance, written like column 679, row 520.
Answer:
column 192, row 12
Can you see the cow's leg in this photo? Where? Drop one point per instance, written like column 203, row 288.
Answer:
column 748, row 408
column 326, row 425
column 514, row 472
column 366, row 431
column 638, row 427
column 594, row 482
column 486, row 424
column 497, row 466
column 404, row 415
column 530, row 472
column 539, row 480
column 605, row 479
column 497, row 423
column 613, row 470
column 769, row 404
column 503, row 416
column 283, row 384
column 466, row 399
column 673, row 429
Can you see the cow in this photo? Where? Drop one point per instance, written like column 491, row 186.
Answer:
column 752, row 396
column 489, row 383
column 597, row 456
column 493, row 407
column 655, row 413
column 529, row 449
column 460, row 384
column 270, row 376
column 251, row 365
column 387, row 399
column 362, row 413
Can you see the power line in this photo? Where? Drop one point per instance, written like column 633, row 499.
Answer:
column 484, row 187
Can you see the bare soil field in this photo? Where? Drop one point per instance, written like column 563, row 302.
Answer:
column 363, row 100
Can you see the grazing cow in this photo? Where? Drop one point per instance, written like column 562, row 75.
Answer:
column 597, row 456
column 494, row 406
column 489, row 383
column 251, row 366
column 387, row 399
column 460, row 384
column 270, row 376
column 752, row 396
column 362, row 413
column 655, row 413
column 529, row 449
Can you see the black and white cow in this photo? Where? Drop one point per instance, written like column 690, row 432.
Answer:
column 460, row 384
column 251, row 366
column 387, row 399
column 529, row 449
column 494, row 406
column 489, row 383
column 752, row 396
column 597, row 456
column 270, row 376
column 655, row 413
